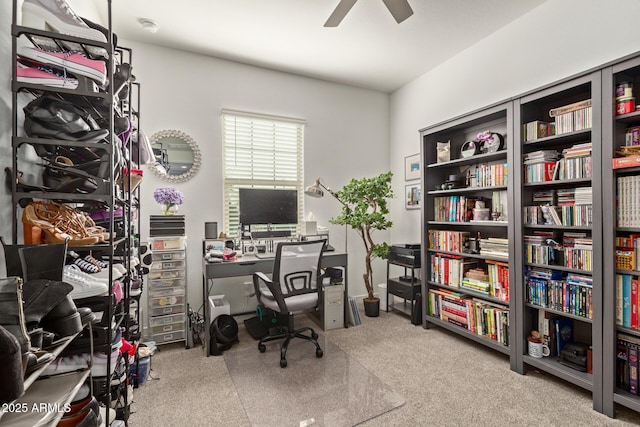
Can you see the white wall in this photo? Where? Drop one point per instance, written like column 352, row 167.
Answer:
column 346, row 136
column 558, row 39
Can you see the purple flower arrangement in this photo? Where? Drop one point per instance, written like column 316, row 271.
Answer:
column 168, row 196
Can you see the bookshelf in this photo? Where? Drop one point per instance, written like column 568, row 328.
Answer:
column 558, row 262
column 621, row 337
column 466, row 273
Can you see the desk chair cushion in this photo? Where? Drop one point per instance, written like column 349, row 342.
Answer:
column 294, row 303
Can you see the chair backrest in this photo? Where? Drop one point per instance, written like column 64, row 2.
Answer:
column 32, row 262
column 297, row 265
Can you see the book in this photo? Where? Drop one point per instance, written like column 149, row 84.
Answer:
column 632, row 358
column 626, row 162
column 564, row 332
column 554, row 112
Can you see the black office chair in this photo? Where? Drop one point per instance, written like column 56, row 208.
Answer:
column 293, row 289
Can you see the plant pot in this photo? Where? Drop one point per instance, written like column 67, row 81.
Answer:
column 372, row 307
column 169, row 209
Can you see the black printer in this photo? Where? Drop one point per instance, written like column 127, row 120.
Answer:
column 407, row 254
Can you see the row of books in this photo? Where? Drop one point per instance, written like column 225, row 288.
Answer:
column 627, row 301
column 479, row 317
column 575, row 162
column 627, row 352
column 579, row 215
column 575, row 251
column 557, row 331
column 488, row 175
column 573, row 295
column 449, row 269
column 567, row 118
column 628, row 201
column 452, row 241
column 627, row 252
column 459, row 208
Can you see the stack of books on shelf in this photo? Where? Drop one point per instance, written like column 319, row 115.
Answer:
column 627, row 301
column 572, row 117
column 449, row 269
column 539, row 214
column 628, row 201
column 494, row 282
column 576, row 206
column 451, row 241
column 627, row 352
column 540, row 166
column 477, row 316
column 453, row 208
column 495, row 247
column 626, row 252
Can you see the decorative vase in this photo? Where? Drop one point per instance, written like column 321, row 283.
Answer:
column 372, row 307
column 169, row 209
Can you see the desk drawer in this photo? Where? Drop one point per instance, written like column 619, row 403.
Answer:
column 167, row 256
column 167, row 265
column 402, row 289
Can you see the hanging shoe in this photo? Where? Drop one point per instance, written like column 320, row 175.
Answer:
column 41, row 75
column 56, row 15
column 72, row 62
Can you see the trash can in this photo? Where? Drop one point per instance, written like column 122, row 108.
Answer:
column 382, row 294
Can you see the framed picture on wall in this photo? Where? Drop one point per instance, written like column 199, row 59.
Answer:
column 412, row 167
column 412, row 196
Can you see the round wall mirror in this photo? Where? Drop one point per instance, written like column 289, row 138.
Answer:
column 177, row 155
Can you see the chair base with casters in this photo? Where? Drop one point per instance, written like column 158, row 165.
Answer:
column 283, row 333
column 293, row 288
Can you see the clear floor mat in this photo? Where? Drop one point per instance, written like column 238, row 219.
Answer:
column 334, row 390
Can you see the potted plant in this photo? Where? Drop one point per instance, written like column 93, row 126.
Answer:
column 365, row 210
column 169, row 198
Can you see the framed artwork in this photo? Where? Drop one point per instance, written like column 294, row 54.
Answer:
column 412, row 167
column 412, row 196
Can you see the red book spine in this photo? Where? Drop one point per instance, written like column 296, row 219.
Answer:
column 634, row 303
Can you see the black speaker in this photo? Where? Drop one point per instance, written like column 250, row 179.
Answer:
column 416, row 319
column 210, row 230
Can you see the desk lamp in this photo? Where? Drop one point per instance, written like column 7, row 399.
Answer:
column 315, row 190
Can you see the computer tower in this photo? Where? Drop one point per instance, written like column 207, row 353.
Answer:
column 332, row 307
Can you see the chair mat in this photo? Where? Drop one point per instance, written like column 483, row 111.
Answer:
column 334, row 390
column 255, row 328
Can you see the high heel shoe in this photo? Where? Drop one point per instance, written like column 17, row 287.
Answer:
column 37, row 230
column 72, row 221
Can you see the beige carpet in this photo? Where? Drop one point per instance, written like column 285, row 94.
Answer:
column 445, row 380
column 332, row 391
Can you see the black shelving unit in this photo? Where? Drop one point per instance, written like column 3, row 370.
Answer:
column 108, row 195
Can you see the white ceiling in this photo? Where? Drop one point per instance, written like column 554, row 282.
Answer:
column 368, row 49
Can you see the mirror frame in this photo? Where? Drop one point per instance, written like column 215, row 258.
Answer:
column 197, row 157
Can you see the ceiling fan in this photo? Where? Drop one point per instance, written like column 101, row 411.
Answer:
column 400, row 10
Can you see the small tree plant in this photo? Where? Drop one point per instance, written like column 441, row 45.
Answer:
column 365, row 209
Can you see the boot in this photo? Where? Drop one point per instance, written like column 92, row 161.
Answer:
column 12, row 385
column 11, row 311
column 47, row 304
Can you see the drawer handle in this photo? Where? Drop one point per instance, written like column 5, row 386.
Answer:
column 167, row 328
column 167, row 310
column 166, row 256
column 167, row 337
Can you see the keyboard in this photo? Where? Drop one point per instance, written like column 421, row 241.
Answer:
column 265, row 255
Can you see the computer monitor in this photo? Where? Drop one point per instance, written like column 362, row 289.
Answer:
column 268, row 206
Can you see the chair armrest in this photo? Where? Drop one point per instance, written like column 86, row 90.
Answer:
column 273, row 287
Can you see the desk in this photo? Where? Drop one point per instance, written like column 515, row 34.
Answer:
column 249, row 264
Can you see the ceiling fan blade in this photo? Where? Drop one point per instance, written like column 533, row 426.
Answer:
column 400, row 9
column 339, row 13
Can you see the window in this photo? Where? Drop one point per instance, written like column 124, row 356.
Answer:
column 261, row 151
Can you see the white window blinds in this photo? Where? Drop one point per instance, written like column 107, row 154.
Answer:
column 260, row 152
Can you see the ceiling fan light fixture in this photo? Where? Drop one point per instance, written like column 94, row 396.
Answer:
column 148, row 25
